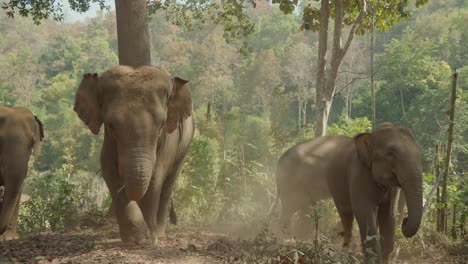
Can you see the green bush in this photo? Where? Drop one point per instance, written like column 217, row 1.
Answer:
column 350, row 127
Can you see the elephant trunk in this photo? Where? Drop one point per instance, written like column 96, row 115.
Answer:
column 137, row 169
column 413, row 193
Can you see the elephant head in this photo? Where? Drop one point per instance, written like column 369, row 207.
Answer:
column 137, row 107
column 393, row 156
column 21, row 134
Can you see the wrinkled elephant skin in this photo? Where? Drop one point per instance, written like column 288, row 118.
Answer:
column 20, row 135
column 363, row 175
column 148, row 128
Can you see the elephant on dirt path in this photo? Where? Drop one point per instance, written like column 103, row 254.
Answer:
column 148, row 128
column 362, row 175
column 21, row 134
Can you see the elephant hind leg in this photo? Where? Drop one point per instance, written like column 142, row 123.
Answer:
column 11, row 231
column 289, row 206
column 347, row 218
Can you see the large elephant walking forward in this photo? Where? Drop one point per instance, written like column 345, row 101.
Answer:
column 21, row 134
column 148, row 123
column 362, row 174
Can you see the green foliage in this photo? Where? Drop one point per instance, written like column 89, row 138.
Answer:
column 56, row 201
column 350, row 127
column 197, row 196
column 40, row 10
column 245, row 104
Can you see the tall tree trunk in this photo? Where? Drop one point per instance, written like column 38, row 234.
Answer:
column 372, row 67
column 464, row 212
column 449, row 150
column 133, row 32
column 326, row 84
column 208, row 111
column 304, row 114
column 299, row 123
column 437, row 173
column 454, row 222
column 402, row 103
column 321, row 63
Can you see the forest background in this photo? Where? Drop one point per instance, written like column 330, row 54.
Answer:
column 250, row 106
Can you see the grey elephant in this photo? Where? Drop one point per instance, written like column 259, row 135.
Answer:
column 148, row 128
column 362, row 175
column 21, row 134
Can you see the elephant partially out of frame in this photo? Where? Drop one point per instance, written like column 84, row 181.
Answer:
column 148, row 128
column 21, row 134
column 362, row 175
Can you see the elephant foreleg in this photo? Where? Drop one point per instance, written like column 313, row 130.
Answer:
column 166, row 192
column 386, row 220
column 149, row 206
column 366, row 216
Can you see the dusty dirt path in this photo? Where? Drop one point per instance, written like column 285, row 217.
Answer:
column 102, row 245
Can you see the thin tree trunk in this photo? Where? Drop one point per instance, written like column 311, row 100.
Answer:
column 454, row 222
column 304, row 114
column 402, row 103
column 437, row 173
column 299, row 123
column 208, row 111
column 133, row 32
column 321, row 67
column 326, row 84
column 449, row 150
column 372, row 68
column 463, row 222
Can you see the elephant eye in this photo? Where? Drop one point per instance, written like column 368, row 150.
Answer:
column 392, row 153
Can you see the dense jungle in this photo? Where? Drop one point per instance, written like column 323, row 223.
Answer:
column 254, row 95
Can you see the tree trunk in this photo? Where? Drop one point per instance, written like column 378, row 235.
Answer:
column 449, row 151
column 463, row 221
column 372, row 69
column 402, row 103
column 326, row 84
column 299, row 123
column 321, row 66
column 133, row 32
column 437, row 173
column 208, row 111
column 454, row 222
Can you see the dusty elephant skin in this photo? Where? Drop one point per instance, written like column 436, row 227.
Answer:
column 20, row 135
column 148, row 125
column 362, row 175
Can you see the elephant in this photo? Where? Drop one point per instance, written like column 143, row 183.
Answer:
column 148, row 129
column 21, row 134
column 363, row 175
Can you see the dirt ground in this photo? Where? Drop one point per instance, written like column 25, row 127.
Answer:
column 102, row 245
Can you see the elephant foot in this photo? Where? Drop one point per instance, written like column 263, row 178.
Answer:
column 160, row 231
column 133, row 228
column 9, row 235
column 136, row 237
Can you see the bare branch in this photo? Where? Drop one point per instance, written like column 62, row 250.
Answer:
column 357, row 22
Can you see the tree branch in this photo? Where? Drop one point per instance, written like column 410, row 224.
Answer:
column 352, row 32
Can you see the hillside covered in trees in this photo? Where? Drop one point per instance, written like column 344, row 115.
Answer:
column 253, row 98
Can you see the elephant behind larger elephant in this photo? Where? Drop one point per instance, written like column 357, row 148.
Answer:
column 21, row 134
column 362, row 175
column 148, row 128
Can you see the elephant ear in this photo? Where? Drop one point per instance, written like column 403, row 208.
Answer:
column 86, row 102
column 179, row 107
column 363, row 144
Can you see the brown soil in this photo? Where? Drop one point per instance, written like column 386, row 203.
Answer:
column 102, row 245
